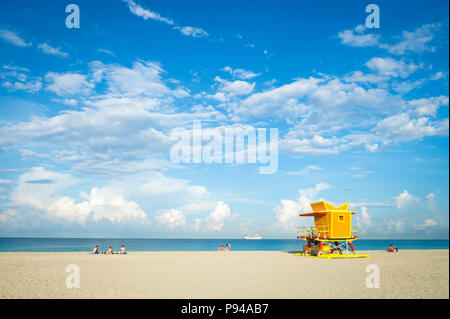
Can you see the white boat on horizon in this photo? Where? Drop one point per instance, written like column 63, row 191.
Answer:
column 255, row 236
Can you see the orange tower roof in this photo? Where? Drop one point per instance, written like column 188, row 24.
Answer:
column 322, row 208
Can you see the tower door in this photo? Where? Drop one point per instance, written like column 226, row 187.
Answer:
column 341, row 225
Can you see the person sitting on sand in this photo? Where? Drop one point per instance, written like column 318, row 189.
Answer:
column 390, row 249
column 396, row 249
column 95, row 250
column 228, row 247
column 122, row 250
column 110, row 250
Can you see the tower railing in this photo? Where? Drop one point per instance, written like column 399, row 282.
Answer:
column 319, row 231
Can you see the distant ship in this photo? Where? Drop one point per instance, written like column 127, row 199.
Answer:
column 256, row 236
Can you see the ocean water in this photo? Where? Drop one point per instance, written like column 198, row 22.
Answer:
column 87, row 244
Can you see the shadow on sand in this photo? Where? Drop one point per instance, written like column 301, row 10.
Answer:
column 291, row 251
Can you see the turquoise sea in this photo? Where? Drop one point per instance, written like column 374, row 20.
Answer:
column 86, row 244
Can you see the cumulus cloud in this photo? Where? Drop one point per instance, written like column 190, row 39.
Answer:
column 68, row 84
column 41, row 190
column 38, row 187
column 266, row 103
column 102, row 204
column 391, row 67
column 428, row 106
column 233, row 88
column 287, row 211
column 363, row 220
column 216, row 220
column 357, row 37
column 402, row 127
column 171, row 219
column 404, row 199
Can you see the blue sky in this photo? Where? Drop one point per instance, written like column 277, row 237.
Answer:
column 88, row 116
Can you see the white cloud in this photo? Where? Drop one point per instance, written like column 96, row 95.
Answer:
column 430, row 197
column 403, row 127
column 68, row 84
column 360, row 77
column 31, row 86
column 38, row 187
column 391, row 67
column 145, row 13
column 16, row 78
column 143, row 78
column 428, row 106
column 287, row 212
column 426, row 224
column 216, row 220
column 410, row 41
column 372, row 148
column 404, row 199
column 102, row 204
column 234, row 88
column 407, row 86
column 357, row 38
column 69, row 102
column 48, row 49
column 415, row 41
column 193, row 32
column 267, row 102
column 171, row 219
column 438, row 75
column 109, row 52
column 41, row 191
column 241, row 73
column 363, row 221
column 13, row 38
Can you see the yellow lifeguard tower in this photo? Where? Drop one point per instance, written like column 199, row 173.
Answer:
column 332, row 234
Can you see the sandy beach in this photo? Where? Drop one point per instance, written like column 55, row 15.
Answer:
column 236, row 274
